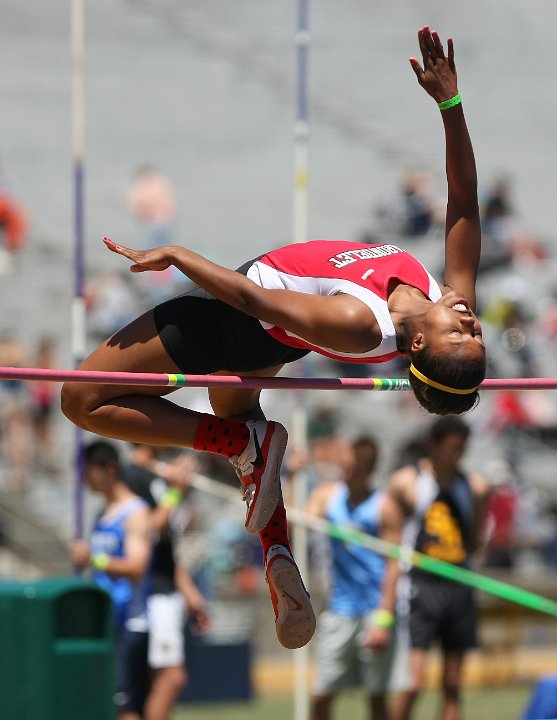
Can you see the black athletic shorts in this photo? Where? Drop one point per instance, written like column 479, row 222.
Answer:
column 204, row 336
column 441, row 610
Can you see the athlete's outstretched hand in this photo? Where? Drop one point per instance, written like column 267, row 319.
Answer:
column 154, row 259
column 438, row 74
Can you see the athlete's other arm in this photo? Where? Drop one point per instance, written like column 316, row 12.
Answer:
column 438, row 77
column 340, row 322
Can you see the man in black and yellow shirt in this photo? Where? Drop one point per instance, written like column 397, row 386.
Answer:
column 444, row 509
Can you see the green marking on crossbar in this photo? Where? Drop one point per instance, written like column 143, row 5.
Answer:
column 176, row 379
column 390, row 384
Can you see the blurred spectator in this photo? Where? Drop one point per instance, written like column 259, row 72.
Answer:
column 15, row 424
column 551, row 547
column 111, row 302
column 173, row 593
column 516, row 415
column 323, row 421
column 151, row 200
column 500, row 517
column 509, row 411
column 445, row 509
column 548, row 321
column 410, row 452
column 415, row 209
column 497, row 204
column 502, row 229
column 516, row 339
column 43, row 396
column 118, row 554
column 354, row 643
column 535, row 528
column 13, row 229
column 324, row 464
column 509, row 315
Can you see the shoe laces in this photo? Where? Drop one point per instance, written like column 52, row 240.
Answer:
column 243, row 468
column 243, row 463
column 248, row 492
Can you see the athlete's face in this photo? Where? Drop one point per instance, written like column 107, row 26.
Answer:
column 451, row 327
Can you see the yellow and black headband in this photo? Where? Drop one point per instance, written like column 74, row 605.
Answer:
column 456, row 391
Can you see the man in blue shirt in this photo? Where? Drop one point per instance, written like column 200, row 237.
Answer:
column 354, row 644
column 118, row 554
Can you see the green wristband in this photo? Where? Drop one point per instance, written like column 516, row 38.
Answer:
column 100, row 561
column 171, row 499
column 383, row 619
column 446, row 104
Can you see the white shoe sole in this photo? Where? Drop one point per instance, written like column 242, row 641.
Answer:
column 269, row 489
column 295, row 623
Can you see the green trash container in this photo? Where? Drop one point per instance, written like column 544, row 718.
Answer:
column 56, row 651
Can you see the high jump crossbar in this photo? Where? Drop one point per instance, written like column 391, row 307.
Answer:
column 266, row 383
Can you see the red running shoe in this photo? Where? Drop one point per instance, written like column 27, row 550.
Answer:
column 258, row 467
column 294, row 616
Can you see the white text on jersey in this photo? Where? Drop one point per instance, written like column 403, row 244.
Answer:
column 350, row 256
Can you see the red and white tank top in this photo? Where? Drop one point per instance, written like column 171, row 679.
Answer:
column 330, row 267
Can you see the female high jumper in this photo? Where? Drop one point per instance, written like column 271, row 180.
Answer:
column 350, row 301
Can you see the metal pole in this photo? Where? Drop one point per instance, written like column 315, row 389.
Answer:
column 300, row 419
column 78, row 344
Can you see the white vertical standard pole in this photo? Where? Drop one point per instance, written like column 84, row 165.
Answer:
column 299, row 420
column 301, row 127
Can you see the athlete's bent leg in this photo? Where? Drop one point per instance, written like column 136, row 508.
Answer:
column 134, row 413
column 294, row 616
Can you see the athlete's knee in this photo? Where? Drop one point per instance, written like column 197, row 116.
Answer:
column 239, row 405
column 75, row 403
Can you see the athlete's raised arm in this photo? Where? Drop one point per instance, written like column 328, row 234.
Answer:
column 438, row 77
column 340, row 322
